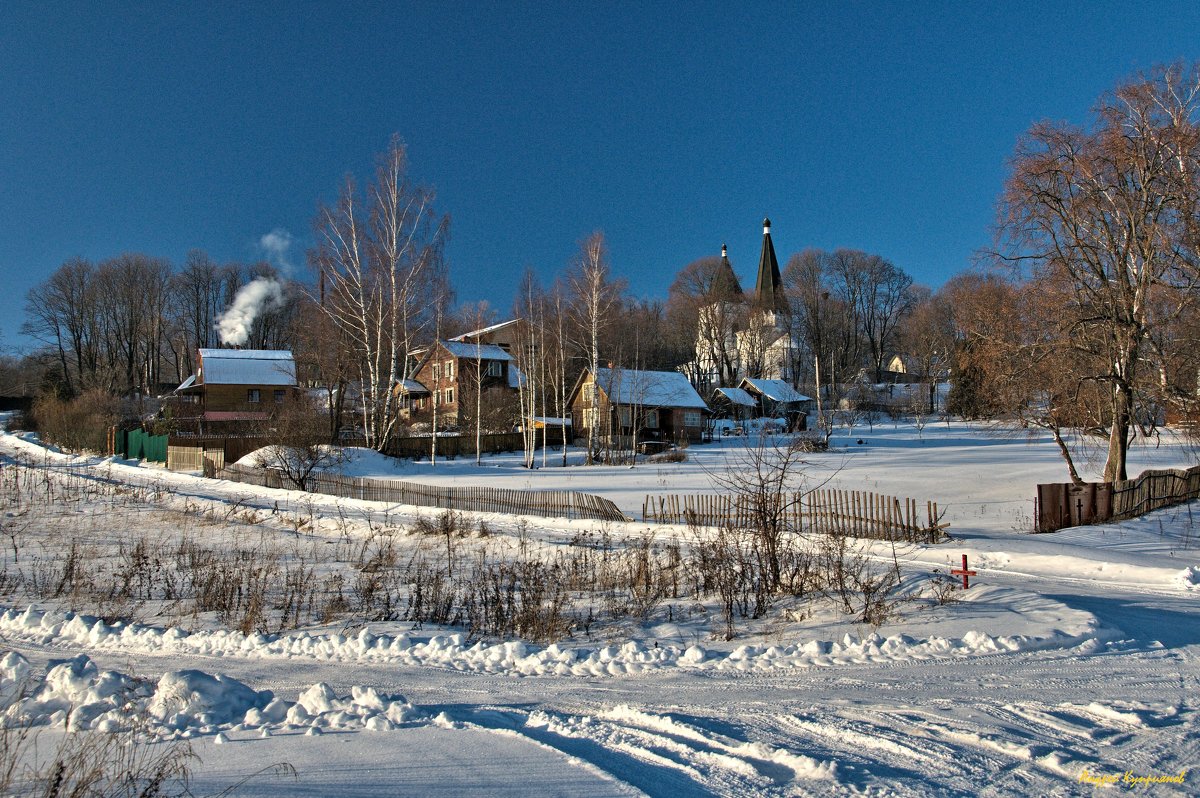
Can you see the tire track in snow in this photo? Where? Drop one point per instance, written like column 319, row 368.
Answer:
column 662, row 755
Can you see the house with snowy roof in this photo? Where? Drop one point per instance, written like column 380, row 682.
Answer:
column 451, row 373
column 733, row 403
column 234, row 388
column 776, row 398
column 642, row 405
column 508, row 335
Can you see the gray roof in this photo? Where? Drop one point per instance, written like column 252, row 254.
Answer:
column 738, row 396
column 247, row 367
column 649, row 388
column 777, row 390
column 472, row 351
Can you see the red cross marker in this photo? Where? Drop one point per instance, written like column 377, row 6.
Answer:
column 963, row 572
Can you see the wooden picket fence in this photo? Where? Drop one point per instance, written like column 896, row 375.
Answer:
column 826, row 511
column 548, row 503
column 1065, row 504
column 1154, row 489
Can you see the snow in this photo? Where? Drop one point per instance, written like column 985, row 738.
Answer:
column 476, row 351
column 412, row 386
column 648, row 388
column 1072, row 653
column 738, row 396
column 776, row 390
column 247, row 367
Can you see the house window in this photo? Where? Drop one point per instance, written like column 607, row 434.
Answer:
column 626, row 416
column 652, row 419
column 449, row 396
column 449, row 369
column 437, row 371
column 253, row 396
column 279, row 393
column 691, row 418
column 591, row 417
column 494, row 369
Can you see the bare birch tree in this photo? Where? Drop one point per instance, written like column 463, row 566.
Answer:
column 381, row 256
column 594, row 296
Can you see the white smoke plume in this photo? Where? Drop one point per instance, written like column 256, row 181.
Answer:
column 265, row 293
column 277, row 245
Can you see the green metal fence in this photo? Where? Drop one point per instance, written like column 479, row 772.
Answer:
column 136, row 444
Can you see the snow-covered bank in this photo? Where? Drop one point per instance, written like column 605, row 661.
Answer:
column 1045, row 624
column 77, row 695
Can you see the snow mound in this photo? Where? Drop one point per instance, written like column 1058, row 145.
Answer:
column 76, row 695
column 513, row 658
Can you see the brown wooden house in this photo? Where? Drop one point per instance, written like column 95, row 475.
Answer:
column 446, row 376
column 233, row 390
column 627, row 404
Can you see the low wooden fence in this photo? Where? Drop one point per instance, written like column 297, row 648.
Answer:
column 452, row 446
column 854, row 513
column 549, row 503
column 1061, row 505
column 191, row 452
column 191, row 458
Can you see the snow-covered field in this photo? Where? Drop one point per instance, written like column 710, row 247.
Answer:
column 1072, row 657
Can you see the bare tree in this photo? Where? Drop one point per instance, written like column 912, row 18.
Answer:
column 530, row 350
column 381, row 257
column 298, row 445
column 1111, row 210
column 707, row 306
column 594, row 296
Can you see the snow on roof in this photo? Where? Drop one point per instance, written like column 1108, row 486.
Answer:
column 650, row 388
column 484, row 330
column 188, row 383
column 412, row 386
column 737, row 396
column 472, row 351
column 777, row 390
column 516, row 377
column 551, row 421
column 247, row 367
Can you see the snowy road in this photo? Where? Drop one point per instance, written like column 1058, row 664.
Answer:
column 1004, row 724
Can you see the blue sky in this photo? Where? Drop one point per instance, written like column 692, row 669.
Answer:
column 162, row 127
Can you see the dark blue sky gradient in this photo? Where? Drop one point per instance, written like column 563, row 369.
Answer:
column 162, row 127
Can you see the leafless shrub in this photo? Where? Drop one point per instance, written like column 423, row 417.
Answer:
column 943, row 589
column 93, row 764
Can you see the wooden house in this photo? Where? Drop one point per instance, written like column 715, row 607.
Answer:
column 622, row 404
column 733, row 403
column 777, row 398
column 233, row 389
column 508, row 335
column 449, row 373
